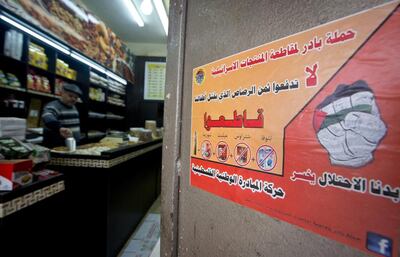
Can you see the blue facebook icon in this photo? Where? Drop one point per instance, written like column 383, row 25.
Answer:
column 379, row 244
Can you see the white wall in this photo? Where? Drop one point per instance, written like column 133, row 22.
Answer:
column 148, row 49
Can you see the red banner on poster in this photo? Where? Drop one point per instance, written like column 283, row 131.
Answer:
column 305, row 129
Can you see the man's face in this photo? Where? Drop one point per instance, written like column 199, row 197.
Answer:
column 69, row 98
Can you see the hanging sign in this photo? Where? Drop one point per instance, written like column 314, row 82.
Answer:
column 306, row 129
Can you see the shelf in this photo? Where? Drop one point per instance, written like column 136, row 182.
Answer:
column 8, row 58
column 96, row 115
column 59, row 97
column 108, row 118
column 39, row 68
column 22, row 68
column 41, row 93
column 115, row 117
column 113, row 92
column 67, row 79
column 13, row 88
column 118, row 105
column 96, row 102
column 99, row 86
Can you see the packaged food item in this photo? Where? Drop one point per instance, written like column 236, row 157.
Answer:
column 31, row 82
column 96, row 94
column 37, row 82
column 3, row 78
column 72, row 74
column 46, row 85
column 7, row 43
column 39, row 154
column 14, row 173
column 58, row 87
column 135, row 132
column 13, row 80
column 152, row 125
column 145, row 134
column 11, row 148
column 44, row 174
column 37, row 56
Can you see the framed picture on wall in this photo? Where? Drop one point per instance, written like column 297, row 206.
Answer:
column 154, row 80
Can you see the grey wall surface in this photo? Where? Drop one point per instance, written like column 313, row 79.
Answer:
column 197, row 223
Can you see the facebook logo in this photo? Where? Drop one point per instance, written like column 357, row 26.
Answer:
column 379, row 244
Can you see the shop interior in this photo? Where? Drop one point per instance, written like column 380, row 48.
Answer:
column 96, row 195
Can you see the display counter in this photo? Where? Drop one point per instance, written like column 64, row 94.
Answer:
column 31, row 219
column 108, row 195
column 107, row 159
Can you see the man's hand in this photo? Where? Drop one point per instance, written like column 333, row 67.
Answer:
column 65, row 132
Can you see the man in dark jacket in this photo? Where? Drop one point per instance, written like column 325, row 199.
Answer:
column 61, row 118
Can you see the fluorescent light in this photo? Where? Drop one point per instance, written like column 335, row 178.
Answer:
column 135, row 14
column 116, row 77
column 162, row 14
column 44, row 39
column 87, row 62
column 146, row 7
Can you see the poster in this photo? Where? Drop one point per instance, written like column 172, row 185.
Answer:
column 154, row 80
column 305, row 129
column 79, row 28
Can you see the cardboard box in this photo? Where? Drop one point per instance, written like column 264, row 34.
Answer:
column 15, row 173
column 13, row 127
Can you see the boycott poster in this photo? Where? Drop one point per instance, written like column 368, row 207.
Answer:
column 306, row 129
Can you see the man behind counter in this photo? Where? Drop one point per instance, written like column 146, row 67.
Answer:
column 61, row 118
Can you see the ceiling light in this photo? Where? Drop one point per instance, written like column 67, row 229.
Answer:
column 146, row 7
column 36, row 35
column 135, row 14
column 87, row 62
column 162, row 14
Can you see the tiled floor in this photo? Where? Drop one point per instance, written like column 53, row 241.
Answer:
column 145, row 241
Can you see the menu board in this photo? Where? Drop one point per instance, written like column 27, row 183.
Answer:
column 305, row 129
column 154, row 80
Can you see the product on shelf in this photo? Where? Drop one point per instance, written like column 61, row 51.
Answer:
column 38, row 83
column 152, row 125
column 97, row 94
column 58, row 86
column 98, row 80
column 9, row 80
column 116, row 87
column 141, row 133
column 3, row 79
column 37, row 56
column 33, row 118
column 116, row 100
column 62, row 69
column 13, row 80
column 13, row 43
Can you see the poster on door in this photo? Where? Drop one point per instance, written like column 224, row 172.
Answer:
column 306, row 129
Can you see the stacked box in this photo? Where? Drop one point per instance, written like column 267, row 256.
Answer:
column 12, row 127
